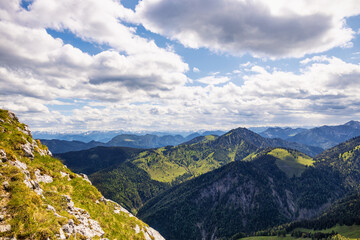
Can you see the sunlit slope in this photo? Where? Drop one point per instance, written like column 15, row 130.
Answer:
column 43, row 199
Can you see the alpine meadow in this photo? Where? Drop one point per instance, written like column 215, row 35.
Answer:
column 179, row 120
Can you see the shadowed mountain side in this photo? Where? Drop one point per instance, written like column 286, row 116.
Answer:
column 128, row 185
column 96, row 159
column 239, row 197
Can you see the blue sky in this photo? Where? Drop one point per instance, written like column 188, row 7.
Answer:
column 170, row 65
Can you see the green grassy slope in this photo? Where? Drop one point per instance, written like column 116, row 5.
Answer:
column 134, row 182
column 183, row 162
column 40, row 211
column 292, row 162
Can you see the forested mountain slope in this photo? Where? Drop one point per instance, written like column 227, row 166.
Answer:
column 160, row 168
column 229, row 200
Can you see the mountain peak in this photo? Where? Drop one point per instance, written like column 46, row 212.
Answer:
column 352, row 123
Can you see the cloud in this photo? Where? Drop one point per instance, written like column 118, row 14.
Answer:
column 213, row 80
column 262, row 28
column 47, row 67
column 321, row 58
column 136, row 85
column 195, row 69
column 323, row 92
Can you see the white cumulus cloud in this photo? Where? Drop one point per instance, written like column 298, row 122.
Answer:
column 260, row 27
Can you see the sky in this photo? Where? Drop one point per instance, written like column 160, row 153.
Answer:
column 179, row 65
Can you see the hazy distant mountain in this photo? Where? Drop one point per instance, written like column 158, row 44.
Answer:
column 283, row 133
column 327, row 136
column 258, row 129
column 99, row 136
column 145, row 141
column 122, row 140
column 61, row 146
column 217, row 133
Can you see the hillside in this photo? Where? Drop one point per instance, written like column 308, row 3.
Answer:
column 244, row 197
column 345, row 159
column 337, row 168
column 291, row 162
column 190, row 160
column 167, row 166
column 342, row 219
column 42, row 199
column 96, row 159
column 157, row 169
column 239, row 197
column 128, row 185
column 327, row 136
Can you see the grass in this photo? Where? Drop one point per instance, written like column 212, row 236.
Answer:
column 352, row 232
column 348, row 232
column 27, row 212
column 291, row 162
column 288, row 237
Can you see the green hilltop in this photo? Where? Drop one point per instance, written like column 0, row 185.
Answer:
column 291, row 162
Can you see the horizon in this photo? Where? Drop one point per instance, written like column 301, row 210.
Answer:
column 182, row 133
column 181, row 66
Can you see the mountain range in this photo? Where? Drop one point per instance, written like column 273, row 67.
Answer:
column 123, row 140
column 324, row 136
column 168, row 166
column 216, row 187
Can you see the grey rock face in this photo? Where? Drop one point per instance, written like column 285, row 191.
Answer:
column 28, row 150
column 6, row 185
column 85, row 177
column 5, row 228
column 87, row 227
column 42, row 178
column 32, row 184
column 3, row 157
